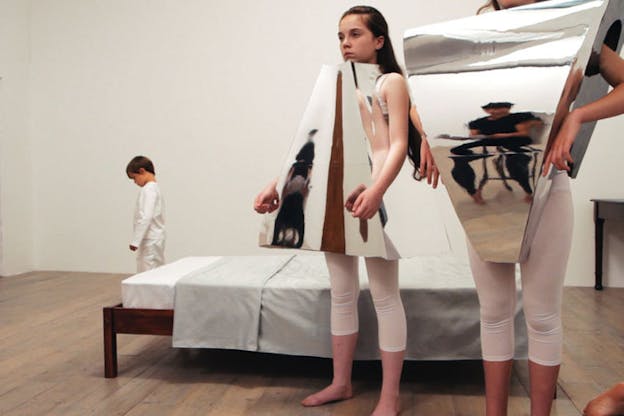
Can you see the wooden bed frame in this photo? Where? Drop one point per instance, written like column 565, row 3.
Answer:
column 120, row 320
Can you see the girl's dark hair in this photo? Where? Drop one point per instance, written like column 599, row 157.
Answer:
column 376, row 23
column 139, row 162
column 494, row 4
column 490, row 4
column 414, row 140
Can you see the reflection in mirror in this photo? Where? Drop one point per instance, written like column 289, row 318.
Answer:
column 330, row 163
column 504, row 138
column 496, row 87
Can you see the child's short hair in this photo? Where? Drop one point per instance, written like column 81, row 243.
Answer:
column 139, row 162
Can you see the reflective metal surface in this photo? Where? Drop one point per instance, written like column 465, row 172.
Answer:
column 492, row 90
column 329, row 161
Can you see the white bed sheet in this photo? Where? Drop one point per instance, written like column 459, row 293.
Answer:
column 438, row 293
column 155, row 289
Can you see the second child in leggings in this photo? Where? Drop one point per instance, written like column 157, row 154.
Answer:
column 363, row 37
column 543, row 271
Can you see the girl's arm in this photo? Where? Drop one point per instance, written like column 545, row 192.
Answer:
column 612, row 104
column 394, row 89
column 427, row 166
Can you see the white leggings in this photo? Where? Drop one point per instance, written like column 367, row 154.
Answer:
column 383, row 278
column 543, row 273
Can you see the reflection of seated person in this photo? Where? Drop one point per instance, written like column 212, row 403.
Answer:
column 510, row 133
column 290, row 222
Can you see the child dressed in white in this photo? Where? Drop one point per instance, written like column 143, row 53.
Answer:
column 148, row 238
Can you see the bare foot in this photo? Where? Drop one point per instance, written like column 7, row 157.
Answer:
column 609, row 403
column 387, row 408
column 331, row 393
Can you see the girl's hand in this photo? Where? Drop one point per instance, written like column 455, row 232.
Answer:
column 267, row 200
column 427, row 164
column 353, row 197
column 367, row 204
column 559, row 153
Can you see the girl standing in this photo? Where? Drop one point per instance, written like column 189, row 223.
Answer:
column 543, row 271
column 363, row 38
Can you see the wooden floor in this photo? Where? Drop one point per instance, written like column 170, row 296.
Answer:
column 51, row 363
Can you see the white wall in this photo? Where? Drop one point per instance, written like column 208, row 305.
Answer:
column 213, row 92
column 600, row 176
column 16, row 207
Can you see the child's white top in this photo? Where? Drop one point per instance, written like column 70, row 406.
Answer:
column 149, row 215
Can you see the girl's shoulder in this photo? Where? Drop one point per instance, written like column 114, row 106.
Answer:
column 391, row 82
column 392, row 77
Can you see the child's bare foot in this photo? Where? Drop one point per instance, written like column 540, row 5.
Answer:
column 609, row 403
column 331, row 393
column 387, row 408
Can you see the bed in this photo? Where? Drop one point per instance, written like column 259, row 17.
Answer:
column 280, row 304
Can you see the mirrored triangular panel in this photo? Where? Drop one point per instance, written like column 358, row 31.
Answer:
column 492, row 90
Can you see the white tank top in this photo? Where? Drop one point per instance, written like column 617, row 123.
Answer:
column 382, row 103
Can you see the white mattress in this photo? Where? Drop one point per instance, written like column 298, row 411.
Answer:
column 155, row 289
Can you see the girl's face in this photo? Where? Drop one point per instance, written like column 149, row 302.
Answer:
column 507, row 4
column 357, row 42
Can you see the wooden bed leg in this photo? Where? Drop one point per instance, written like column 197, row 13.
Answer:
column 110, row 344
